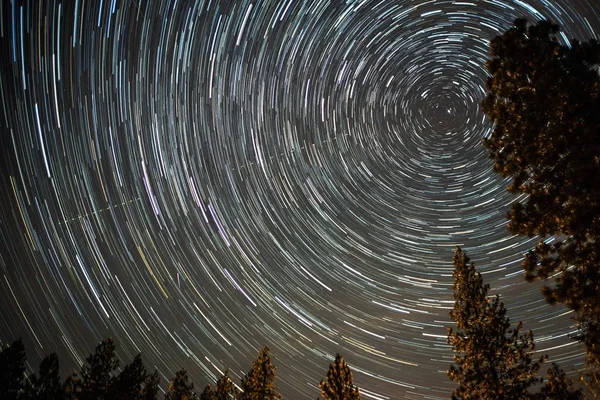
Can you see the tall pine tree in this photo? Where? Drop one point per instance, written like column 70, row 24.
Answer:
column 338, row 384
column 258, row 384
column 493, row 361
column 98, row 374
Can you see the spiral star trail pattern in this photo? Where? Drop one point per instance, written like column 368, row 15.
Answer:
column 200, row 179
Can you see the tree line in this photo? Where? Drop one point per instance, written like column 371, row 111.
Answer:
column 493, row 361
column 101, row 378
column 543, row 98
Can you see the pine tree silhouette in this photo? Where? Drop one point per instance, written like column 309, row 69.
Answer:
column 46, row 384
column 543, row 98
column 558, row 386
column 225, row 388
column 207, row 393
column 493, row 362
column 97, row 375
column 128, row 384
column 338, row 385
column 151, row 387
column 180, row 387
column 12, row 370
column 258, row 384
column 71, row 388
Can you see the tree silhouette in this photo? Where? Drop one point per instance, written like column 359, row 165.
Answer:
column 258, row 384
column 71, row 388
column 225, row 388
column 180, row 387
column 338, row 384
column 544, row 99
column 128, row 384
column 46, row 385
column 97, row 375
column 207, row 393
column 151, row 387
column 12, row 370
column 558, row 386
column 493, row 361
column 592, row 383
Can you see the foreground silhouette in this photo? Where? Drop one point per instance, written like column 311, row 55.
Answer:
column 338, row 385
column 100, row 379
column 543, row 98
column 494, row 361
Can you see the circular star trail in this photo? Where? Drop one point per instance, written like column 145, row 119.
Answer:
column 200, row 179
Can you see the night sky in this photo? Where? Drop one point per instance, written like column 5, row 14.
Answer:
column 200, row 179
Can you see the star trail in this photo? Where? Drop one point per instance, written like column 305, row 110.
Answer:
column 198, row 179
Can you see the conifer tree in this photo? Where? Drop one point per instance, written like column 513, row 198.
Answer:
column 151, row 387
column 543, row 98
column 46, row 384
column 12, row 371
column 493, row 362
column 180, row 387
column 258, row 384
column 128, row 384
column 590, row 336
column 71, row 388
column 207, row 393
column 225, row 388
column 558, row 386
column 338, row 384
column 97, row 375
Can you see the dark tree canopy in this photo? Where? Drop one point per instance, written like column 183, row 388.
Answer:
column 258, row 384
column 225, row 388
column 71, row 388
column 493, row 361
column 151, row 387
column 98, row 374
column 558, row 386
column 181, row 387
column 544, row 99
column 12, row 370
column 99, row 380
column 338, row 384
column 129, row 383
column 207, row 393
column 46, row 384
